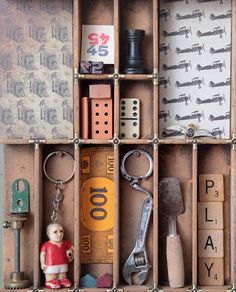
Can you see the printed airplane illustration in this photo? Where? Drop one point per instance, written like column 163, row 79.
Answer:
column 195, row 81
column 164, row 81
column 182, row 31
column 182, row 98
column 164, row 115
column 217, row 132
column 204, row 1
column 222, row 50
column 215, row 98
column 216, row 64
column 228, row 14
column 195, row 115
column 181, row 65
column 164, row 14
column 195, row 48
column 226, row 83
column 221, row 117
column 195, row 14
column 216, row 31
column 164, row 48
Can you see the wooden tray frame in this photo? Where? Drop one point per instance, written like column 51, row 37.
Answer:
column 35, row 153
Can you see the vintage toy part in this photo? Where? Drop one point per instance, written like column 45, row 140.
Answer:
column 137, row 261
column 20, row 196
column 130, row 118
column 55, row 255
column 17, row 279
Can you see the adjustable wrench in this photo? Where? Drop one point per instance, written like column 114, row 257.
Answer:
column 137, row 262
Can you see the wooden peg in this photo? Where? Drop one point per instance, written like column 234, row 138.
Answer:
column 210, row 215
column 211, row 188
column 210, row 243
column 211, row 271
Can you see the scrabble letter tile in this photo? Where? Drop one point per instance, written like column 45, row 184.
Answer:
column 210, row 243
column 210, row 215
column 211, row 188
column 211, row 271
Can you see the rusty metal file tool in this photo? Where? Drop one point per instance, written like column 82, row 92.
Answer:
column 171, row 205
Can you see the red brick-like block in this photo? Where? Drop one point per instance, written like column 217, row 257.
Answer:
column 101, row 118
column 100, row 91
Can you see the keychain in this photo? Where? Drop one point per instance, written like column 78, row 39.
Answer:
column 56, row 252
column 137, row 261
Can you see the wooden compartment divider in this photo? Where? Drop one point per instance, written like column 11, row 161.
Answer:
column 194, row 213
column 38, row 178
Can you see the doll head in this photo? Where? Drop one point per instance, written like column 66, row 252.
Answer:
column 55, row 232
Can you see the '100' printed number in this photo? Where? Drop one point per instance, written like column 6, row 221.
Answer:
column 97, row 204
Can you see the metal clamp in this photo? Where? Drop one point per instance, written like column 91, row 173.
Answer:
column 59, row 154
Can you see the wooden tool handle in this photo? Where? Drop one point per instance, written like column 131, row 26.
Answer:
column 175, row 261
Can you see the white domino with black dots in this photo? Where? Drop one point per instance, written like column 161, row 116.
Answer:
column 129, row 118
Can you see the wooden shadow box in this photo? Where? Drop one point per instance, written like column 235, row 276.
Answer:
column 40, row 91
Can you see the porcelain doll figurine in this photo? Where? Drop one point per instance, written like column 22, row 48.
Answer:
column 54, row 257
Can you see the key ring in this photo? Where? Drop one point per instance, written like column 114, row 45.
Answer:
column 58, row 153
column 58, row 183
column 133, row 177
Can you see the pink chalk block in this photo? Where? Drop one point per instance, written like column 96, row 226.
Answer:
column 105, row 281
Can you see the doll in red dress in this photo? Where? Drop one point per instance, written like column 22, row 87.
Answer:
column 54, row 257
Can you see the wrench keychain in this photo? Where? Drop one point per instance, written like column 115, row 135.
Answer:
column 137, row 261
